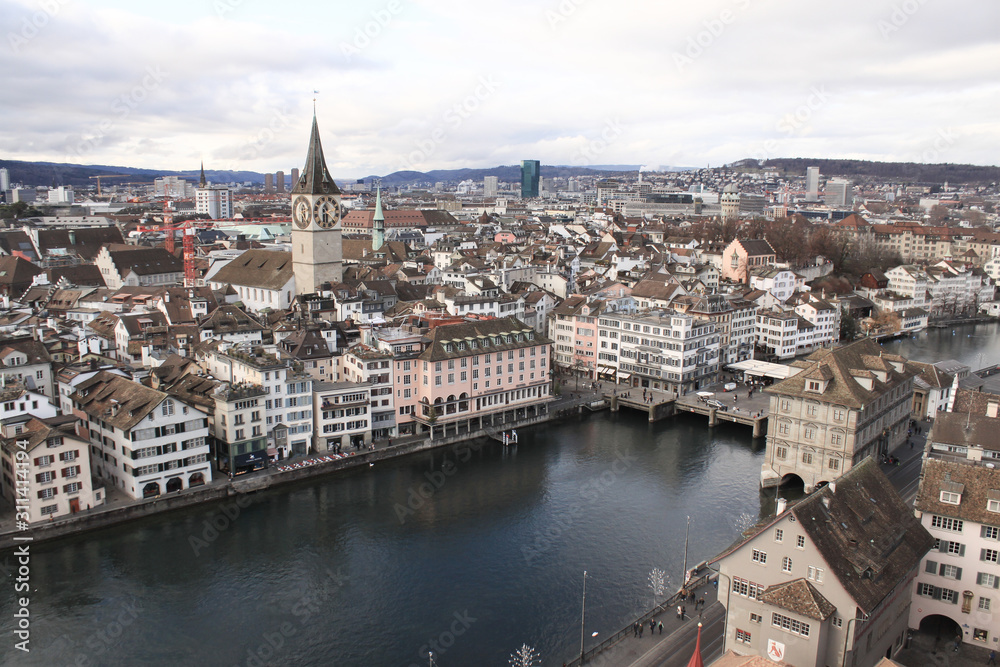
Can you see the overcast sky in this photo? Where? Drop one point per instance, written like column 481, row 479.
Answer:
column 440, row 84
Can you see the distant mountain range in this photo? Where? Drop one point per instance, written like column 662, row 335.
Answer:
column 80, row 175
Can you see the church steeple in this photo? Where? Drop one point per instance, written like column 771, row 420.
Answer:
column 315, row 178
column 378, row 221
column 202, row 183
column 317, row 252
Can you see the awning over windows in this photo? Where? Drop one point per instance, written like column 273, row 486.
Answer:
column 764, row 369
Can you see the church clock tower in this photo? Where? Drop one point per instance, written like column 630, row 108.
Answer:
column 317, row 254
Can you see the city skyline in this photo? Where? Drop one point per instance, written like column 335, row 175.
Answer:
column 168, row 86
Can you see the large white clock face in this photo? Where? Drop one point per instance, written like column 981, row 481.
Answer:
column 300, row 212
column 326, row 212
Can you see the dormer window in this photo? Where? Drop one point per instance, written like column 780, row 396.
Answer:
column 993, row 501
column 814, row 385
column 951, row 497
column 951, row 492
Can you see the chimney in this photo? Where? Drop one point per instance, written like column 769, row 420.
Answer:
column 782, row 503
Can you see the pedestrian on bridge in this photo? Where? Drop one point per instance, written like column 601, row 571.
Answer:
column 660, row 626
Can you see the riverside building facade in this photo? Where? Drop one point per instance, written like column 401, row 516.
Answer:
column 844, row 405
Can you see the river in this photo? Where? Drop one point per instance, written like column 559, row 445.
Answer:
column 977, row 346
column 477, row 550
column 468, row 551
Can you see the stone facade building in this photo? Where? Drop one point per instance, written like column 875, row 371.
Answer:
column 844, row 405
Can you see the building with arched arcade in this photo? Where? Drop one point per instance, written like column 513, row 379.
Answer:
column 958, row 585
column 143, row 442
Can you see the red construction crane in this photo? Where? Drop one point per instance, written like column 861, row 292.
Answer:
column 187, row 240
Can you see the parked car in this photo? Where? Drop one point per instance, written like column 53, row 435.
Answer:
column 718, row 405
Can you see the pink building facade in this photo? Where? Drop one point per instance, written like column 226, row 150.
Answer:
column 486, row 374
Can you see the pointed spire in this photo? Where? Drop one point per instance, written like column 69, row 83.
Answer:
column 379, row 215
column 202, row 183
column 315, row 178
column 696, row 660
column 378, row 221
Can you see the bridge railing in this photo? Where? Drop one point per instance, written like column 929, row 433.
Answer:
column 656, row 611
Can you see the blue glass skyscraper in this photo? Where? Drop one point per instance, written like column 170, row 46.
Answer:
column 529, row 178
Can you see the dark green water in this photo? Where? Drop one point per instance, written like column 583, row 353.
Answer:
column 362, row 569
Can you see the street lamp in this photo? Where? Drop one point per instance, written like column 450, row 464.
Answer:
column 687, row 532
column 583, row 614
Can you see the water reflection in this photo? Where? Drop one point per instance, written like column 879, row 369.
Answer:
column 364, row 572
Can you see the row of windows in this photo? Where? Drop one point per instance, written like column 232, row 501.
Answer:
column 747, row 589
column 789, row 624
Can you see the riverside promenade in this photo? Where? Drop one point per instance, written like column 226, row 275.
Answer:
column 625, row 649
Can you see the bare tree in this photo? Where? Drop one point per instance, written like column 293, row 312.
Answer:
column 526, row 656
column 657, row 583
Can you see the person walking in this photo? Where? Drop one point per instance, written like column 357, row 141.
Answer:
column 635, row 629
column 660, row 626
column 680, row 614
column 641, row 626
column 683, row 612
column 652, row 626
column 992, row 660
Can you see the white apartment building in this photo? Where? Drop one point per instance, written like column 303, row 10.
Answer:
column 778, row 333
column 142, row 441
column 27, row 359
column 343, row 417
column 499, row 305
column 371, row 365
column 15, row 401
column 660, row 350
column 287, row 388
column 825, row 319
column 959, row 504
column 781, row 283
column 909, row 281
column 238, row 427
column 215, row 201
